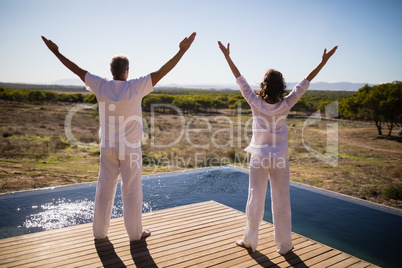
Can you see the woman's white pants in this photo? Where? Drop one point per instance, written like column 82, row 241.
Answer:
column 277, row 169
column 116, row 160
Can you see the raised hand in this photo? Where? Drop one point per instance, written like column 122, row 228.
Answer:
column 326, row 56
column 66, row 62
column 186, row 43
column 226, row 53
column 225, row 50
column 184, row 46
column 52, row 46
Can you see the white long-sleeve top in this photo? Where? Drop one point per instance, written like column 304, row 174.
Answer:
column 270, row 135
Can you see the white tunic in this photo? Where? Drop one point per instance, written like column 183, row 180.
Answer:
column 270, row 137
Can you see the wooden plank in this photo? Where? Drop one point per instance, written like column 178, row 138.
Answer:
column 322, row 249
column 266, row 250
column 319, row 258
column 195, row 254
column 264, row 258
column 362, row 264
column 196, row 235
column 333, row 261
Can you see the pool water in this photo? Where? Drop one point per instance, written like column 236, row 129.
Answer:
column 363, row 229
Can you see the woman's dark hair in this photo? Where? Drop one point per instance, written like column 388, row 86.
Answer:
column 272, row 89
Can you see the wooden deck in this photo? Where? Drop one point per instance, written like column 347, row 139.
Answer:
column 197, row 235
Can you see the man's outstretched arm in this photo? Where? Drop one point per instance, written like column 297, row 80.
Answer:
column 68, row 63
column 168, row 66
column 325, row 58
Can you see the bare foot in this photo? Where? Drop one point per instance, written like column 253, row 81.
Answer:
column 240, row 243
column 287, row 252
column 145, row 233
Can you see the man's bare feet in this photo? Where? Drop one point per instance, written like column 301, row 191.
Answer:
column 145, row 233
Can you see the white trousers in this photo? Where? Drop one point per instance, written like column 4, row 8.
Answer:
column 116, row 160
column 277, row 169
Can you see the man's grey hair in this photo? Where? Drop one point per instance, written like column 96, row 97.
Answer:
column 119, row 66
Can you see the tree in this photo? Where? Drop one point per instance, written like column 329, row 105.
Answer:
column 242, row 103
column 380, row 103
column 148, row 100
column 157, row 99
column 204, row 102
column 90, row 98
column 36, row 96
column 392, row 106
column 220, row 103
column 50, row 96
column 233, row 100
column 186, row 103
column 303, row 106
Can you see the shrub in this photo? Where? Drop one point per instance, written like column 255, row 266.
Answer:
column 58, row 143
column 372, row 192
column 91, row 98
column 393, row 192
column 7, row 134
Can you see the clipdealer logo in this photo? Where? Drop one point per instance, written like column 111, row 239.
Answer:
column 330, row 156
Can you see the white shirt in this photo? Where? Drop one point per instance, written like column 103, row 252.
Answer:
column 270, row 136
column 120, row 111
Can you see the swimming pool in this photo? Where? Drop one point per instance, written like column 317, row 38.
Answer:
column 363, row 229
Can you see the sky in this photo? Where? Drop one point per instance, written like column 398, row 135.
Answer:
column 287, row 35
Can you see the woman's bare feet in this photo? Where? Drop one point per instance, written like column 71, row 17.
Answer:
column 240, row 243
column 145, row 233
column 287, row 252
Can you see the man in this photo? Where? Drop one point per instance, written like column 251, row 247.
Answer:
column 120, row 132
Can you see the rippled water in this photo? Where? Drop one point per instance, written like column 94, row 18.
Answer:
column 60, row 213
column 368, row 231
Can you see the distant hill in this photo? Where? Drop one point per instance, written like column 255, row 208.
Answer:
column 341, row 86
column 74, row 87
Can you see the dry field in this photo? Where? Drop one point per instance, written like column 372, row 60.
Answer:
column 35, row 151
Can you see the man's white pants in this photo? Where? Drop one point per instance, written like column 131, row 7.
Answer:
column 277, row 169
column 115, row 160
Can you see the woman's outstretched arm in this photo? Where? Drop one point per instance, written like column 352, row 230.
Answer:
column 226, row 53
column 325, row 58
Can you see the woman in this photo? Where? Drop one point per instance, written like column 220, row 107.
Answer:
column 269, row 151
